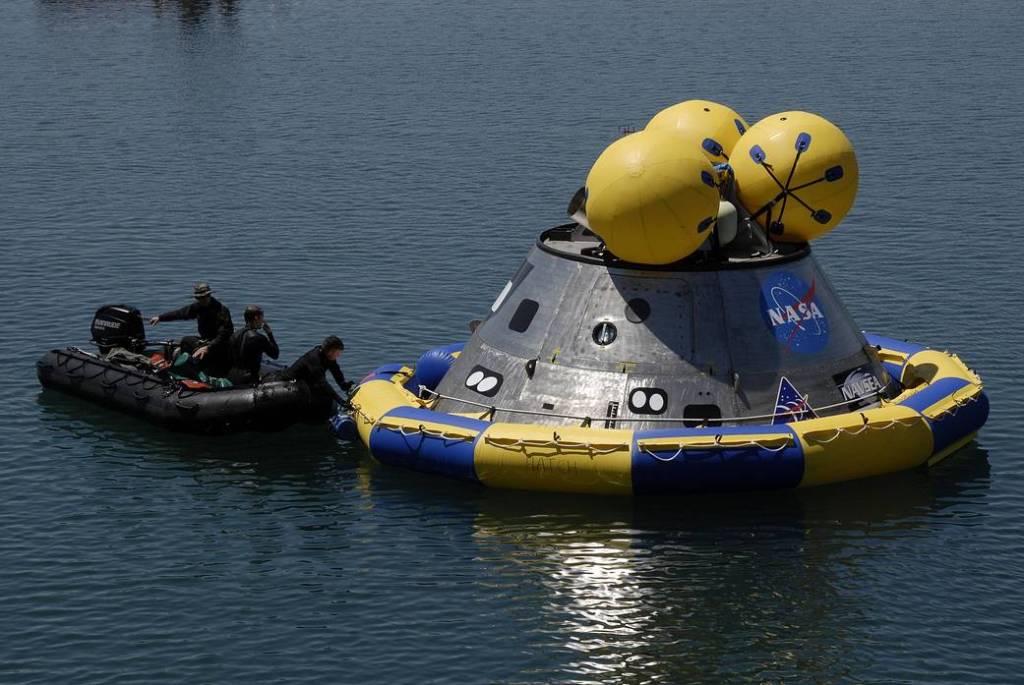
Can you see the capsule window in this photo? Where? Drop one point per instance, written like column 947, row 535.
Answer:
column 484, row 381
column 648, row 400
column 605, row 333
column 523, row 316
column 520, row 276
column 701, row 415
column 637, row 310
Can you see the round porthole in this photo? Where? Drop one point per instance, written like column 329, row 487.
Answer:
column 638, row 400
column 637, row 310
column 656, row 403
column 605, row 333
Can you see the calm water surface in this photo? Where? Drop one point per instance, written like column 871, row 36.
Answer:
column 377, row 170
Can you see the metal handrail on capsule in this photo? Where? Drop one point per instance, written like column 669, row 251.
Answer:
column 587, row 420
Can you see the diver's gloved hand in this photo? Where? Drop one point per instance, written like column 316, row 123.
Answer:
column 347, row 386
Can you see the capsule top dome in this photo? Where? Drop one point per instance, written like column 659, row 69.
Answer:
column 651, row 198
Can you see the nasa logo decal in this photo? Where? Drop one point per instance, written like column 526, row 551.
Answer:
column 858, row 385
column 793, row 313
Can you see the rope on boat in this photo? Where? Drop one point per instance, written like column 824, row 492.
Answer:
column 423, row 431
column 522, row 444
column 842, row 430
column 718, row 444
column 959, row 404
column 358, row 412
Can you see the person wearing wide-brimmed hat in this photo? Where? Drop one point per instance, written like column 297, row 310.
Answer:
column 212, row 346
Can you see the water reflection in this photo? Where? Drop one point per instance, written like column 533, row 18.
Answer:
column 766, row 586
column 760, row 586
column 109, row 433
column 195, row 11
column 191, row 12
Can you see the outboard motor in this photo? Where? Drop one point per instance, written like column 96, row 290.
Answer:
column 118, row 325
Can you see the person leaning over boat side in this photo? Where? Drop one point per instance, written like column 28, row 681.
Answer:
column 249, row 345
column 312, row 367
column 212, row 347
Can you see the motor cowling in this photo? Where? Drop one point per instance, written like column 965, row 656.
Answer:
column 118, row 325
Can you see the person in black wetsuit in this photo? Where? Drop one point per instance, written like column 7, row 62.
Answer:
column 312, row 367
column 249, row 345
column 212, row 347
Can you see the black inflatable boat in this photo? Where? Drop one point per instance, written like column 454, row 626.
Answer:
column 128, row 374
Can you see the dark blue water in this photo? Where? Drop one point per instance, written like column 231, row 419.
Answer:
column 377, row 170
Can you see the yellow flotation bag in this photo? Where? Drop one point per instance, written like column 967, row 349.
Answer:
column 651, row 198
column 710, row 127
column 797, row 173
